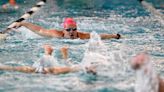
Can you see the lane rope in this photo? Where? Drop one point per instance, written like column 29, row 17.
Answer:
column 27, row 15
column 159, row 16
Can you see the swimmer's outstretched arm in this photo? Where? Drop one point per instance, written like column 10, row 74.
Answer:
column 86, row 35
column 108, row 36
column 40, row 30
column 35, row 28
column 25, row 69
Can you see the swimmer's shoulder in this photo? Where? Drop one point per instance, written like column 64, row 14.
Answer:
column 56, row 33
column 83, row 35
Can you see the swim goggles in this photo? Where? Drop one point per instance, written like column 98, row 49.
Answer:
column 69, row 29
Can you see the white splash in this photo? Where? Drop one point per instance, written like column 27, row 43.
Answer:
column 147, row 80
column 45, row 61
column 95, row 53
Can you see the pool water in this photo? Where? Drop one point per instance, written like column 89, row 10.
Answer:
column 140, row 31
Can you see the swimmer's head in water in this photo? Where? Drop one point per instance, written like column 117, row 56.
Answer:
column 70, row 28
column 12, row 2
column 48, row 49
column 139, row 61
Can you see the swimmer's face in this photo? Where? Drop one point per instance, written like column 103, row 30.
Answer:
column 70, row 31
column 138, row 61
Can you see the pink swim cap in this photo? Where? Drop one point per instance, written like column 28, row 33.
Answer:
column 69, row 21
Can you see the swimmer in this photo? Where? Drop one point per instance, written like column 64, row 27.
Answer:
column 46, row 65
column 70, row 31
column 147, row 79
column 12, row 3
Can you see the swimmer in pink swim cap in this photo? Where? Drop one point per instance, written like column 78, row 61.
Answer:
column 69, row 31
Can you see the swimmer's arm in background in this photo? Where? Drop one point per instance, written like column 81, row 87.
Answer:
column 40, row 30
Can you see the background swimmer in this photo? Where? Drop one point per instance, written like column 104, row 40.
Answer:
column 147, row 79
column 11, row 4
column 47, row 64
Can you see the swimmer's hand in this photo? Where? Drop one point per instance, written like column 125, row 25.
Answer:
column 118, row 36
column 64, row 51
column 15, row 25
column 11, row 27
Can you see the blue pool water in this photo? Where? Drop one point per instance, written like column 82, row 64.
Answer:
column 140, row 30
